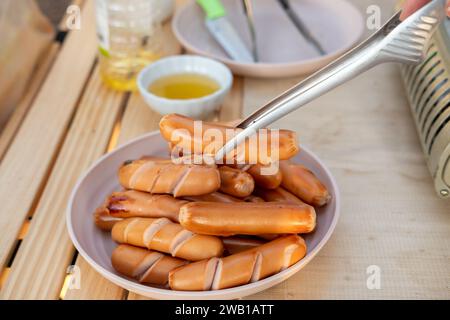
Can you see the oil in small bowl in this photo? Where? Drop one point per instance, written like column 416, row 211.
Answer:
column 184, row 86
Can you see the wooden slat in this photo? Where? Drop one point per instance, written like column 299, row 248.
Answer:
column 26, row 164
column 135, row 296
column 47, row 247
column 92, row 285
column 137, row 120
column 37, row 79
column 170, row 46
column 232, row 107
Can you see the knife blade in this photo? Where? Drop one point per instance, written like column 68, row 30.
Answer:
column 223, row 31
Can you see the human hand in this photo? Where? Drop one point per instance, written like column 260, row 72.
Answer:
column 412, row 6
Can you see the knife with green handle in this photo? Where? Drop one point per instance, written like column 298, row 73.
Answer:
column 223, row 31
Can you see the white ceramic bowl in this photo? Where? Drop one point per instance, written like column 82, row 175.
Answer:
column 96, row 246
column 199, row 108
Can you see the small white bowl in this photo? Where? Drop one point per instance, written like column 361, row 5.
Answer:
column 198, row 108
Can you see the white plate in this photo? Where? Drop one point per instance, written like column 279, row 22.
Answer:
column 283, row 52
column 96, row 246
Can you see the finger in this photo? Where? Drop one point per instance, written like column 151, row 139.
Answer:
column 412, row 6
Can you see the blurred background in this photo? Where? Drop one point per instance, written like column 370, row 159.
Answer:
column 54, row 10
column 29, row 27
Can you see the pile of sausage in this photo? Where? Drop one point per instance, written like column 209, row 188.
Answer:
column 209, row 227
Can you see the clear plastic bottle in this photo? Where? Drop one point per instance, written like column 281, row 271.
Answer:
column 128, row 32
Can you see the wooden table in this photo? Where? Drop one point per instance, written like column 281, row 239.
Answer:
column 390, row 215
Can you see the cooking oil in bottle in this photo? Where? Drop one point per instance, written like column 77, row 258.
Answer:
column 184, row 86
column 128, row 33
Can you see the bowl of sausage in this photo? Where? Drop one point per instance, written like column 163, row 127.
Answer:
column 170, row 228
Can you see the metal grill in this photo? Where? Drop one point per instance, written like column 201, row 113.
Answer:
column 428, row 89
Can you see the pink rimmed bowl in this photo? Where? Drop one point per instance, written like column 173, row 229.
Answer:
column 96, row 246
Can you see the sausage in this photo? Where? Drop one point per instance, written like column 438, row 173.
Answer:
column 130, row 203
column 241, row 268
column 227, row 219
column 242, row 166
column 253, row 198
column 269, row 237
column 163, row 176
column 168, row 237
column 278, row 195
column 238, row 244
column 179, row 130
column 266, row 181
column 103, row 220
column 304, row 184
column 213, row 197
column 145, row 266
column 235, row 182
column 196, row 159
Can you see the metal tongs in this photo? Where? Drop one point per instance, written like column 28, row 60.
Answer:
column 404, row 42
